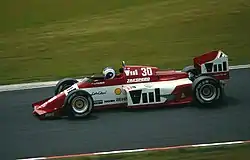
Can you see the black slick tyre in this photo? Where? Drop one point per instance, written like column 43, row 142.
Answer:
column 78, row 104
column 207, row 91
column 64, row 84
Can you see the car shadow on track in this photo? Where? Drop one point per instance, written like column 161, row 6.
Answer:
column 227, row 101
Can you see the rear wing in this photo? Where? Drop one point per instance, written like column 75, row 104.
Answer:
column 213, row 63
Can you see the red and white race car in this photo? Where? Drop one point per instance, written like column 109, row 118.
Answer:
column 140, row 86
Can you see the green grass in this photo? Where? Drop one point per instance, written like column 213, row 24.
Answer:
column 47, row 40
column 234, row 152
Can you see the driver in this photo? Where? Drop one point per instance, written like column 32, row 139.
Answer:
column 108, row 73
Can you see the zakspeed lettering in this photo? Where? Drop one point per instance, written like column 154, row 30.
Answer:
column 146, row 79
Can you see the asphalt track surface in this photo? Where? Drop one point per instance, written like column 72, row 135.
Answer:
column 22, row 135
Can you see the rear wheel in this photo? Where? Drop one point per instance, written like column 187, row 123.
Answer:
column 207, row 90
column 79, row 104
column 64, row 84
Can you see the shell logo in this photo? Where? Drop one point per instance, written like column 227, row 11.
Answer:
column 118, row 91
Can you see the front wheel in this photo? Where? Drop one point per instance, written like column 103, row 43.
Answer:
column 79, row 104
column 207, row 90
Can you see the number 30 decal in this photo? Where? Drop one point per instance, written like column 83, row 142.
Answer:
column 146, row 71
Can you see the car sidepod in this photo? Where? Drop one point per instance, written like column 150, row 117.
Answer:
column 159, row 93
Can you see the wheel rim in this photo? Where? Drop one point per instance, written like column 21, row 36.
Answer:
column 80, row 104
column 208, row 92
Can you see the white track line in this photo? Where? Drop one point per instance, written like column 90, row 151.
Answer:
column 140, row 150
column 23, row 86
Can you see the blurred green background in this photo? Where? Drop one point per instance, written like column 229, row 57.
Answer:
column 47, row 40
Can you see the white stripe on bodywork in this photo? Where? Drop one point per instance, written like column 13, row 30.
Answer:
column 109, row 94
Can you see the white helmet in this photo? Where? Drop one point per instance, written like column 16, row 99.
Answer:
column 109, row 73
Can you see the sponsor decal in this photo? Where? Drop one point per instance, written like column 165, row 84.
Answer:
column 138, row 80
column 98, row 102
column 109, row 101
column 98, row 93
column 220, row 74
column 70, row 89
column 121, row 99
column 127, row 88
column 128, row 72
column 144, row 72
column 183, row 95
column 49, row 114
column 216, row 67
column 148, row 97
column 98, row 83
column 118, row 91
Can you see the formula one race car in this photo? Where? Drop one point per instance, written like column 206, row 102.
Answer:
column 139, row 86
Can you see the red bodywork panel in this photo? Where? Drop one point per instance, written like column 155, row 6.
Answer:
column 209, row 56
column 49, row 106
column 157, row 75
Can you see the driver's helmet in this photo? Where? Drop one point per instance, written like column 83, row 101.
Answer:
column 108, row 73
